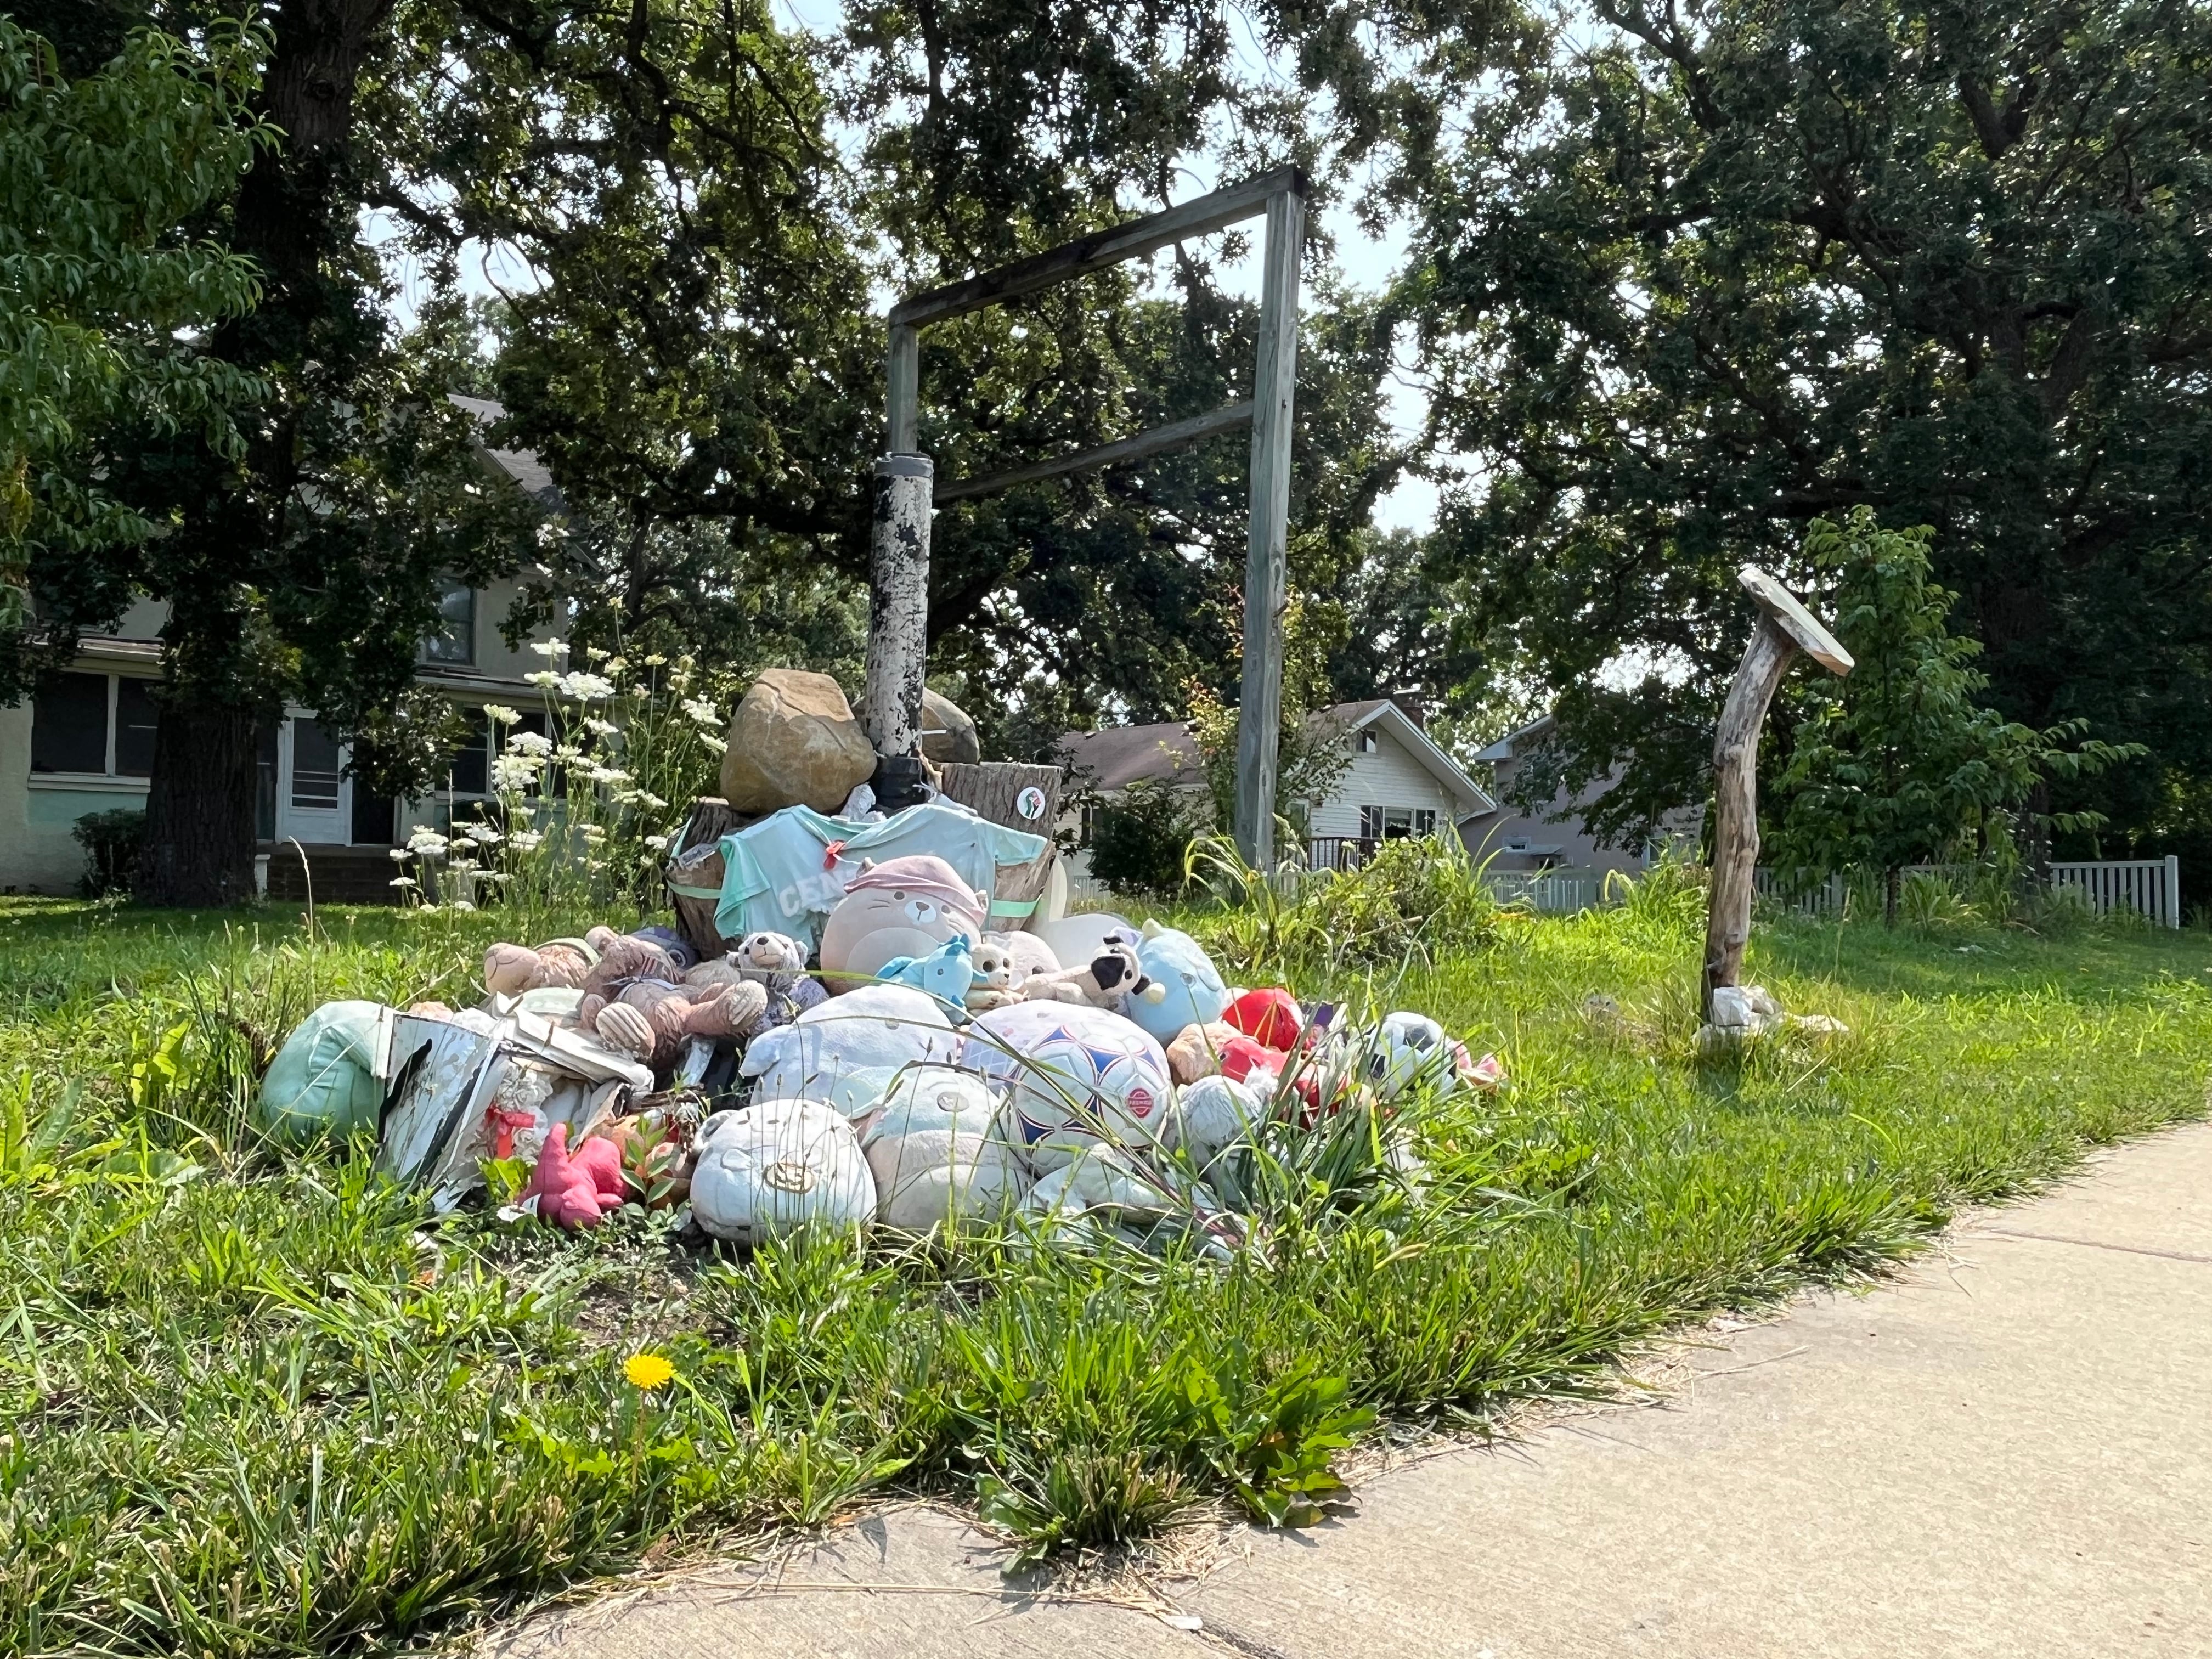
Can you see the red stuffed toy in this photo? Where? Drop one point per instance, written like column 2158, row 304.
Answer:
column 1271, row 1017
column 576, row 1191
column 1241, row 1057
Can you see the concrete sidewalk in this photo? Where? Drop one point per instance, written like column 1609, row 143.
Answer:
column 2007, row 1451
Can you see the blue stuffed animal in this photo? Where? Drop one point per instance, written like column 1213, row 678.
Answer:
column 1196, row 993
column 945, row 974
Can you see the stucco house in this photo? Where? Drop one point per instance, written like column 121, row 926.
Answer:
column 1396, row 782
column 1551, row 836
column 84, row 744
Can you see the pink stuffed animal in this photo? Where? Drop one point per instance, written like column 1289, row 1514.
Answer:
column 576, row 1191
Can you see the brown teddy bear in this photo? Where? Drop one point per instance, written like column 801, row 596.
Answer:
column 625, row 959
column 511, row 970
column 654, row 1020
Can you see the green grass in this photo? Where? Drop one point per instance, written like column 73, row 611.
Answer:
column 253, row 1405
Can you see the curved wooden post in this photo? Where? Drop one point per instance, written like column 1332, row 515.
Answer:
column 1785, row 628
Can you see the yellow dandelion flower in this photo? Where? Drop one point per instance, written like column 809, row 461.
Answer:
column 647, row 1371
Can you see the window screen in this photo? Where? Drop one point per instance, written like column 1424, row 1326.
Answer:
column 69, row 724
column 316, row 763
column 134, row 727
column 454, row 640
column 471, row 771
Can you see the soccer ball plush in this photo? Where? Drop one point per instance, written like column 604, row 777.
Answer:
column 1411, row 1049
column 1076, row 1076
column 778, row 1166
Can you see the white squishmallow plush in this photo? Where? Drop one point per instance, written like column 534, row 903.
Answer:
column 937, row 1152
column 848, row 1049
column 1213, row 1114
column 777, row 1166
column 1075, row 1076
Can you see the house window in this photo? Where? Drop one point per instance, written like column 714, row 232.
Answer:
column 454, row 640
column 1424, row 821
column 1371, row 823
column 94, row 725
column 1363, row 742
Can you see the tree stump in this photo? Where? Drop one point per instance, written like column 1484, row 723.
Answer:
column 693, row 875
column 999, row 791
column 1785, row 628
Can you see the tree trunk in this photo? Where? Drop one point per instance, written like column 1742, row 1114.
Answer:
column 1890, row 882
column 290, row 215
column 198, row 849
column 1735, row 806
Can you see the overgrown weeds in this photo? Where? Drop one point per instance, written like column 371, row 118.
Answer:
column 257, row 1403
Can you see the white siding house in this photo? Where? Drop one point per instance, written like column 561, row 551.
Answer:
column 1396, row 781
column 84, row 744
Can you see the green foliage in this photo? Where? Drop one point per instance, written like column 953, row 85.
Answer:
column 1897, row 764
column 1139, row 835
column 1415, row 899
column 110, row 840
column 1688, row 278
column 99, row 177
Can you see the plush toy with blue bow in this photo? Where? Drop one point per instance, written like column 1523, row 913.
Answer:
column 945, row 974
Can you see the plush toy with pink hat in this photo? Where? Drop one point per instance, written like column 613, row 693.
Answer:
column 903, row 907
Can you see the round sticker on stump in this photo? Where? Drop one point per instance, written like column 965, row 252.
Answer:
column 1030, row 802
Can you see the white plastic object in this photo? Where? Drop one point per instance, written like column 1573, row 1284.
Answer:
column 1075, row 939
column 777, row 1166
column 1076, row 1076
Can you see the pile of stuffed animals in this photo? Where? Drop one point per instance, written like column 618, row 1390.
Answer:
column 920, row 1070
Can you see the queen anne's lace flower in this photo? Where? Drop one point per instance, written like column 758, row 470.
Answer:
column 586, row 688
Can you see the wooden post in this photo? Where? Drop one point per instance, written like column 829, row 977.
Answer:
column 1785, row 628
column 1259, row 713
column 898, row 604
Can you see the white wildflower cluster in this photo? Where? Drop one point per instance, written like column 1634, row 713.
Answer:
column 544, row 678
column 550, row 649
column 703, row 712
column 513, row 773
column 425, row 843
column 535, row 745
column 526, row 840
column 482, row 835
column 586, row 687
column 500, row 714
column 601, row 728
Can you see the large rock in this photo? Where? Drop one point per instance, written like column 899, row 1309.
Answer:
column 948, row 735
column 793, row 741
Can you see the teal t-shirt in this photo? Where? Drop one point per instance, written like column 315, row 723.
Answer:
column 781, row 876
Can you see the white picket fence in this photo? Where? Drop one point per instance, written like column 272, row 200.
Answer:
column 1553, row 892
column 2149, row 887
